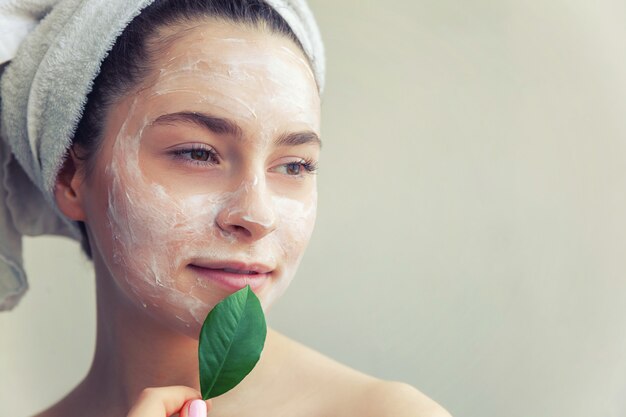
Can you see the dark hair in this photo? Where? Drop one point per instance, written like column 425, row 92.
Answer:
column 131, row 58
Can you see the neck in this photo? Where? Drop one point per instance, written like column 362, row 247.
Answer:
column 134, row 351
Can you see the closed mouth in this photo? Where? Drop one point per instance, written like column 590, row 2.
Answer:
column 236, row 271
column 234, row 278
column 233, row 267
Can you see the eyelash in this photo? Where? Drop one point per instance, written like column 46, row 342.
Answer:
column 213, row 158
column 309, row 166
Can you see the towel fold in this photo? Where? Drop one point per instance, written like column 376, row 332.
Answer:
column 23, row 211
column 17, row 19
column 56, row 49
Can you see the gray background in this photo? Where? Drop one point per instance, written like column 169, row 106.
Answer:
column 472, row 215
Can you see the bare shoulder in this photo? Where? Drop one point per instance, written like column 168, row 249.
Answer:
column 387, row 398
column 54, row 411
column 339, row 390
column 61, row 408
column 77, row 399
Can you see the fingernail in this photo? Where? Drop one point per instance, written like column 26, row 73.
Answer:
column 197, row 408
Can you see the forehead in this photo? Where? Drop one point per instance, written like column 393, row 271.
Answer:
column 241, row 69
column 219, row 42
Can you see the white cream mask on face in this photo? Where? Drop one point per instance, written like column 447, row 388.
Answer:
column 168, row 218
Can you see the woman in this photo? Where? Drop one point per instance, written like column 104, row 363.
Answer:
column 190, row 174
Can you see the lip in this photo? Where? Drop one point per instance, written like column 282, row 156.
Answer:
column 233, row 276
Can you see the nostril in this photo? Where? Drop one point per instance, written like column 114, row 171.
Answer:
column 253, row 222
column 235, row 228
column 240, row 229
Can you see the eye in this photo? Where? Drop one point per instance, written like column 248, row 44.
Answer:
column 296, row 168
column 197, row 154
column 200, row 155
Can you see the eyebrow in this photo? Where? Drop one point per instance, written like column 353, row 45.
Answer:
column 298, row 138
column 222, row 126
column 217, row 125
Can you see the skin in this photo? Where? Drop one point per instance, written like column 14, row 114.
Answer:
column 254, row 204
column 240, row 205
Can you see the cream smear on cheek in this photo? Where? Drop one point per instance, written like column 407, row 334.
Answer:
column 156, row 230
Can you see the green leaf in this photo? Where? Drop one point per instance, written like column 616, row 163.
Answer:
column 231, row 341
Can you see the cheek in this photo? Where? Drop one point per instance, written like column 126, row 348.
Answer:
column 297, row 220
column 156, row 234
column 155, row 237
column 152, row 235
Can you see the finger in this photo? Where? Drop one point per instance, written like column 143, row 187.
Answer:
column 196, row 408
column 162, row 402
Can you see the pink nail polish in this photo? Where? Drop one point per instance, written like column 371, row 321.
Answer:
column 197, row 408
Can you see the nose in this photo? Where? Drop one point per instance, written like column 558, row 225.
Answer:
column 248, row 214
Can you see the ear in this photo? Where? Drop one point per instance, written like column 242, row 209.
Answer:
column 67, row 189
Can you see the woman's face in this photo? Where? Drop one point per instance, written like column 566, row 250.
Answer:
column 205, row 180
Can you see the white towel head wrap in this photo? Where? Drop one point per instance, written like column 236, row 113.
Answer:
column 56, row 49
